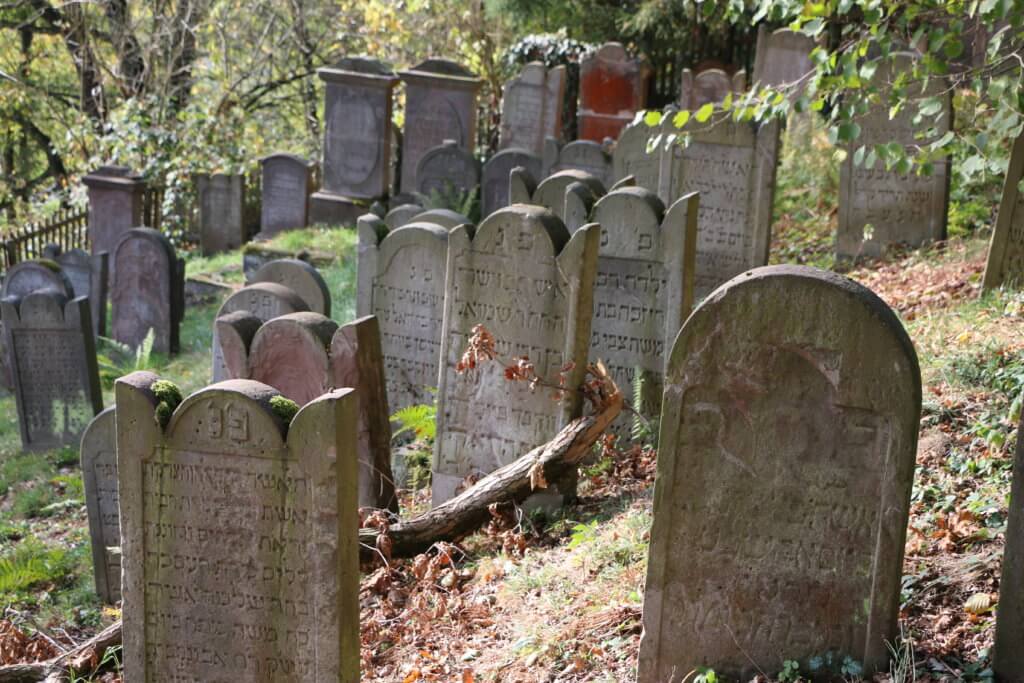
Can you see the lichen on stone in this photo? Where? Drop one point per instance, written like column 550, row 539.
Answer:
column 168, row 397
column 284, row 408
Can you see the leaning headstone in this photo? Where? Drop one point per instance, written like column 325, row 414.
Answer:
column 448, row 170
column 401, row 281
column 115, row 205
column 613, row 88
column 1005, row 265
column 300, row 277
column 240, row 556
column 402, row 214
column 531, row 108
column 523, row 278
column 89, row 276
column 495, row 185
column 710, row 86
column 99, row 481
column 785, row 464
column 221, row 211
column 551, row 191
column 643, row 290
column 583, row 155
column 446, row 218
column 287, row 184
column 1009, row 650
column 783, row 60
column 881, row 208
column 440, row 104
column 52, row 356
column 149, row 290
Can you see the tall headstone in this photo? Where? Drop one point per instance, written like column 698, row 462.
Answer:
column 300, row 277
column 786, row 459
column 531, row 285
column 287, row 184
column 783, row 58
column 710, row 86
column 495, row 185
column 149, row 290
column 531, row 108
column 613, row 88
column 1009, row 651
column 879, row 209
column 551, row 191
column 52, row 356
column 440, row 104
column 1005, row 265
column 583, row 155
column 221, row 211
column 115, row 205
column 240, row 556
column 99, row 480
column 89, row 275
column 447, row 170
column 400, row 281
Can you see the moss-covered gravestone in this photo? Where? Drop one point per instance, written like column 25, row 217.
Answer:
column 99, row 479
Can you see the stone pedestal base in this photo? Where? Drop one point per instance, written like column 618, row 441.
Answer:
column 333, row 209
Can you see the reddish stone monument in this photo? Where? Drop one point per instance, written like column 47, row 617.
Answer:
column 613, row 88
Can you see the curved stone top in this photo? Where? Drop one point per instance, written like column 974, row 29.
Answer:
column 151, row 235
column 286, row 156
column 300, row 277
column 29, row 276
column 179, row 433
column 631, row 198
column 446, row 218
column 40, row 305
column 320, row 326
column 435, row 69
column 569, row 176
column 358, row 66
column 274, row 289
column 541, row 218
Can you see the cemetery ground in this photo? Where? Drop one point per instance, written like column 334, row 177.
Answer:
column 559, row 598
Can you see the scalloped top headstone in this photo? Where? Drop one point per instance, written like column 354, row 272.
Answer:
column 149, row 290
column 613, row 88
column 531, row 107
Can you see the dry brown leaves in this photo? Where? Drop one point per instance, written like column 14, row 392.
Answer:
column 912, row 286
column 17, row 647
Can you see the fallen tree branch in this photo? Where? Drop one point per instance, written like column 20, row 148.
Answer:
column 82, row 659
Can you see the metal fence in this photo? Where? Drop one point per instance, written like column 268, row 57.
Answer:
column 69, row 229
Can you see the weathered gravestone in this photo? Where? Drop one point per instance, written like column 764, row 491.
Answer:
column 879, row 208
column 788, row 438
column 495, row 185
column 551, row 191
column 238, row 535
column 531, row 108
column 581, row 155
column 1009, row 651
column 638, row 153
column 89, row 275
column 402, row 214
column 99, row 480
column 710, row 86
column 446, row 218
column 300, row 277
column 305, row 355
column 448, row 171
column 149, row 290
column 287, row 184
column 783, row 58
column 613, row 88
column 440, row 104
column 523, row 278
column 643, row 290
column 1005, row 263
column 115, row 205
column 221, row 211
column 401, row 281
column 52, row 354
column 255, row 255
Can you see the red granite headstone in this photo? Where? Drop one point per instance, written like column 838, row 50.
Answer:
column 613, row 88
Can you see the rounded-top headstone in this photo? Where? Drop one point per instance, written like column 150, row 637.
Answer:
column 300, row 277
column 290, row 353
column 402, row 214
column 551, row 191
column 446, row 218
column 32, row 276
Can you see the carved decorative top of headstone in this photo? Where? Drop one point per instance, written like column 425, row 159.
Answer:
column 149, row 290
column 551, row 191
column 447, row 170
column 783, row 58
column 32, row 276
column 582, row 155
column 1005, row 263
column 99, row 480
column 786, row 459
column 531, row 107
column 402, row 214
column 287, row 184
column 613, row 88
column 710, row 86
column 300, row 277
column 221, row 211
column 495, row 185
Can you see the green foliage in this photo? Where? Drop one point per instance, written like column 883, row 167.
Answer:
column 643, row 430
column 465, row 202
column 28, row 564
column 584, row 533
column 704, row 674
column 421, row 420
column 116, row 359
column 285, row 408
column 790, row 672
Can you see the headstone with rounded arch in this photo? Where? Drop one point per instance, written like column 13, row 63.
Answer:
column 149, row 290
column 287, row 184
column 402, row 214
column 613, row 88
column 446, row 218
column 494, row 188
column 448, row 171
column 710, row 86
column 580, row 155
column 89, row 275
column 550, row 193
column 302, row 278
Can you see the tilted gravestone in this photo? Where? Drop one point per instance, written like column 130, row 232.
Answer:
column 710, row 86
column 287, row 183
column 879, row 209
column 783, row 60
column 149, row 290
column 400, row 281
column 581, row 155
column 643, row 290
column 495, row 185
column 788, row 438
column 115, row 205
column 52, row 354
column 402, row 214
column 300, row 277
column 99, row 480
column 550, row 193
column 440, row 104
column 240, row 556
column 89, row 275
column 531, row 108
column 304, row 355
column 1005, row 265
column 221, row 211
column 447, row 170
column 613, row 88
column 523, row 278
column 1009, row 650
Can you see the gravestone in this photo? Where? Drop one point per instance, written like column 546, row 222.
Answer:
column 613, row 88
column 447, row 171
column 446, row 218
column 21, row 280
column 786, row 459
column 240, row 558
column 115, row 205
column 638, row 153
column 400, row 281
column 495, row 185
column 287, row 184
column 402, row 214
column 149, row 290
column 89, row 275
column 99, row 480
column 783, row 58
column 221, row 211
column 1009, row 653
column 521, row 186
column 531, row 285
column 551, row 191
column 643, row 290
column 255, row 255
column 52, row 354
column 531, row 108
column 581, row 155
column 1005, row 265
column 879, row 209
column 300, row 277
column 708, row 86
column 440, row 104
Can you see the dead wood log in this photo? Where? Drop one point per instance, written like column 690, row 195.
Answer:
column 81, row 659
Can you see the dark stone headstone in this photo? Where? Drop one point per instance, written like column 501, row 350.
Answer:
column 89, row 276
column 149, row 290
column 1005, row 265
column 287, row 184
column 300, row 277
column 531, row 108
column 710, row 86
column 115, row 205
column 1009, row 651
column 495, row 185
column 447, row 171
column 221, row 212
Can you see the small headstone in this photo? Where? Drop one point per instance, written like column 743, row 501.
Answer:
column 1005, row 265
column 521, row 185
column 239, row 535
column 586, row 156
column 89, row 275
column 255, row 255
column 221, row 211
column 531, row 108
column 710, row 86
column 879, row 209
column 99, row 480
column 495, row 185
column 446, row 218
column 448, row 170
column 551, row 191
column 579, row 202
column 440, row 104
column 638, row 153
column 523, row 278
column 785, row 463
column 115, row 205
column 33, row 276
column 149, row 290
column 287, row 184
column 1009, row 650
column 301, row 278
column 783, row 58
column 613, row 88
column 402, row 214
column 52, row 356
